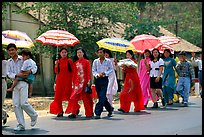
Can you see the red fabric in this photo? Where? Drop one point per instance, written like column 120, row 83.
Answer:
column 94, row 93
column 135, row 95
column 81, row 76
column 63, row 87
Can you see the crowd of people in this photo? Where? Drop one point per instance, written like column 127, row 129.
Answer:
column 154, row 79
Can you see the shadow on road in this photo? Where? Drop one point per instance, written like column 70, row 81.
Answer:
column 32, row 131
column 133, row 113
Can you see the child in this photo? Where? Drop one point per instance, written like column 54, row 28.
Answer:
column 186, row 74
column 28, row 64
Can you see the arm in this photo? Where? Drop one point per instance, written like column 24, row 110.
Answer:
column 110, row 68
column 10, row 74
column 56, row 68
column 88, row 70
column 94, row 69
column 161, row 67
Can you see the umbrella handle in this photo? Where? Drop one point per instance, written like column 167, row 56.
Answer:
column 57, row 54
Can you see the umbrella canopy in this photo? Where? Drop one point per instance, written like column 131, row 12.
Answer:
column 58, row 38
column 163, row 47
column 144, row 41
column 116, row 44
column 20, row 39
column 168, row 40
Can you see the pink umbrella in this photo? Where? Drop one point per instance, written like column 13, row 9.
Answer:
column 168, row 40
column 163, row 47
column 57, row 38
column 144, row 41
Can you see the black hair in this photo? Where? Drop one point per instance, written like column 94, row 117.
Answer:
column 11, row 45
column 69, row 65
column 167, row 50
column 146, row 50
column 101, row 49
column 108, row 52
column 131, row 53
column 76, row 57
column 27, row 52
column 152, row 57
column 182, row 53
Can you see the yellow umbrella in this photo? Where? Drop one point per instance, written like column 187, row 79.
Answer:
column 20, row 39
column 116, row 44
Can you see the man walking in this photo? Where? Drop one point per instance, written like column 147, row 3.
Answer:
column 101, row 69
column 20, row 92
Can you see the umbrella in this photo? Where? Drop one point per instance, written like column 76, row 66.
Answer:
column 57, row 38
column 168, row 40
column 144, row 41
column 20, row 39
column 163, row 47
column 116, row 44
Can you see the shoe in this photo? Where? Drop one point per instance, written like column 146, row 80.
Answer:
column 97, row 117
column 34, row 121
column 19, row 128
column 185, row 105
column 5, row 119
column 78, row 112
column 60, row 114
column 72, row 116
column 163, row 102
column 121, row 110
column 145, row 106
column 155, row 105
column 111, row 112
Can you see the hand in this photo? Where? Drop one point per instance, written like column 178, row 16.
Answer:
column 89, row 83
column 56, row 62
column 157, row 79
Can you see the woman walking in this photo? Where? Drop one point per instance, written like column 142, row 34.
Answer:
column 144, row 76
column 81, row 79
column 112, row 80
column 169, row 79
column 63, row 69
column 156, row 69
column 132, row 91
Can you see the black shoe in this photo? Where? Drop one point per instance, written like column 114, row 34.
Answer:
column 145, row 106
column 97, row 117
column 72, row 116
column 60, row 114
column 121, row 110
column 155, row 105
column 111, row 112
column 78, row 112
column 163, row 102
column 185, row 105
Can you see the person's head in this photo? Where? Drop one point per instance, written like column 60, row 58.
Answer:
column 182, row 56
column 167, row 53
column 101, row 52
column 80, row 53
column 26, row 54
column 147, row 53
column 63, row 52
column 130, row 54
column 108, row 53
column 193, row 54
column 155, row 54
column 201, row 55
column 12, row 50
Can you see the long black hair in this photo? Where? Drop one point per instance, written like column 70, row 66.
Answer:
column 69, row 65
column 167, row 50
column 131, row 53
column 75, row 55
column 146, row 50
column 152, row 57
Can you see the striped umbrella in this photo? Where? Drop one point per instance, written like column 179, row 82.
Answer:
column 169, row 40
column 20, row 39
column 163, row 47
column 144, row 41
column 116, row 44
column 57, row 38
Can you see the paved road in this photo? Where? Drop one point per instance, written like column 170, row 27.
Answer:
column 171, row 120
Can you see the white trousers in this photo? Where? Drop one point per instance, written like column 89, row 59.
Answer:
column 20, row 102
column 4, row 90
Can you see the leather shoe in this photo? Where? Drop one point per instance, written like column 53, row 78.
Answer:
column 60, row 114
column 121, row 110
column 97, row 117
column 72, row 116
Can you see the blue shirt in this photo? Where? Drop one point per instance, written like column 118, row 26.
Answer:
column 106, row 66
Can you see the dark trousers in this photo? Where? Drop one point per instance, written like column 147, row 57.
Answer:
column 101, row 89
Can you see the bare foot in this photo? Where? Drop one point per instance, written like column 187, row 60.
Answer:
column 10, row 89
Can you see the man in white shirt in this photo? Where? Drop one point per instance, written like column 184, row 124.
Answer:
column 20, row 92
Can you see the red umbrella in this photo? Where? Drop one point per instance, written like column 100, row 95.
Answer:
column 144, row 41
column 168, row 40
column 163, row 47
column 57, row 38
